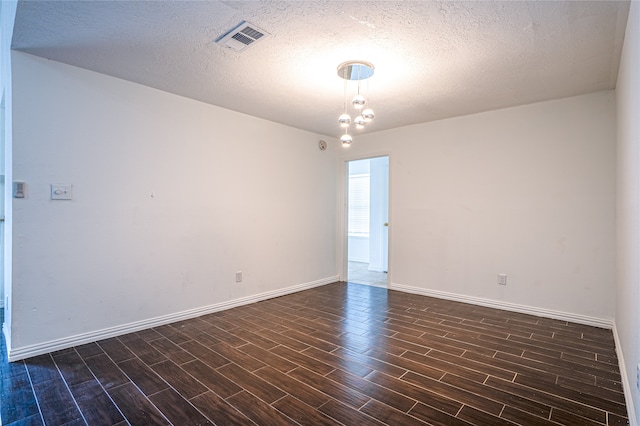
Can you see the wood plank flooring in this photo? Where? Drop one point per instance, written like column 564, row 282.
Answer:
column 338, row 354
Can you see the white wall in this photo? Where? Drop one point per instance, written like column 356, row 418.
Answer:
column 171, row 197
column 526, row 191
column 628, row 208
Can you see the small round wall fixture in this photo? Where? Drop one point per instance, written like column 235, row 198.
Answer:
column 322, row 145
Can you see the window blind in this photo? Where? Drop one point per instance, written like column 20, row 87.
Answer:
column 359, row 205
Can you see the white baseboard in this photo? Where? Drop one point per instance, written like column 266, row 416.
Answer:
column 16, row 354
column 507, row 306
column 626, row 385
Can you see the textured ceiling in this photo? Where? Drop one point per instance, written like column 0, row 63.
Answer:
column 433, row 59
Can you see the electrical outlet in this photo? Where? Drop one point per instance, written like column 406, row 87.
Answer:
column 502, row 279
column 239, row 276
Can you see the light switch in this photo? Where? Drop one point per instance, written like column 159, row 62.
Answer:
column 61, row 191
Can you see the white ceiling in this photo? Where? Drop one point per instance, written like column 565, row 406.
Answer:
column 433, row 59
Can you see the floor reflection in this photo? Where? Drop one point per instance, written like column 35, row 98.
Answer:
column 365, row 311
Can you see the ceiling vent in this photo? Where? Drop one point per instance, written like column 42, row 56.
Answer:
column 242, row 36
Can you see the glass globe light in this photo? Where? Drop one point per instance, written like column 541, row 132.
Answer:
column 346, row 140
column 358, row 101
column 344, row 120
column 367, row 114
column 359, row 122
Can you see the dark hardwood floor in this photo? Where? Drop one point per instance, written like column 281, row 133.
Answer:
column 338, row 354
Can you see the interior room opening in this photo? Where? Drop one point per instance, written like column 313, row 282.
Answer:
column 368, row 221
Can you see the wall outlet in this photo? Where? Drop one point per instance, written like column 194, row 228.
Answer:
column 238, row 276
column 502, row 279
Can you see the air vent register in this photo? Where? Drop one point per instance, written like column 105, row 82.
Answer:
column 242, row 36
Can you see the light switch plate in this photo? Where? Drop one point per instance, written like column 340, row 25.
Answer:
column 61, row 191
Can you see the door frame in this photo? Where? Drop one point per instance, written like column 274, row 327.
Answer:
column 344, row 215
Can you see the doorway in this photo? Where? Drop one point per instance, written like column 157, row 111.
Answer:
column 368, row 221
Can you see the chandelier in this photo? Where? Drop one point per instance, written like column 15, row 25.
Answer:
column 356, row 72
